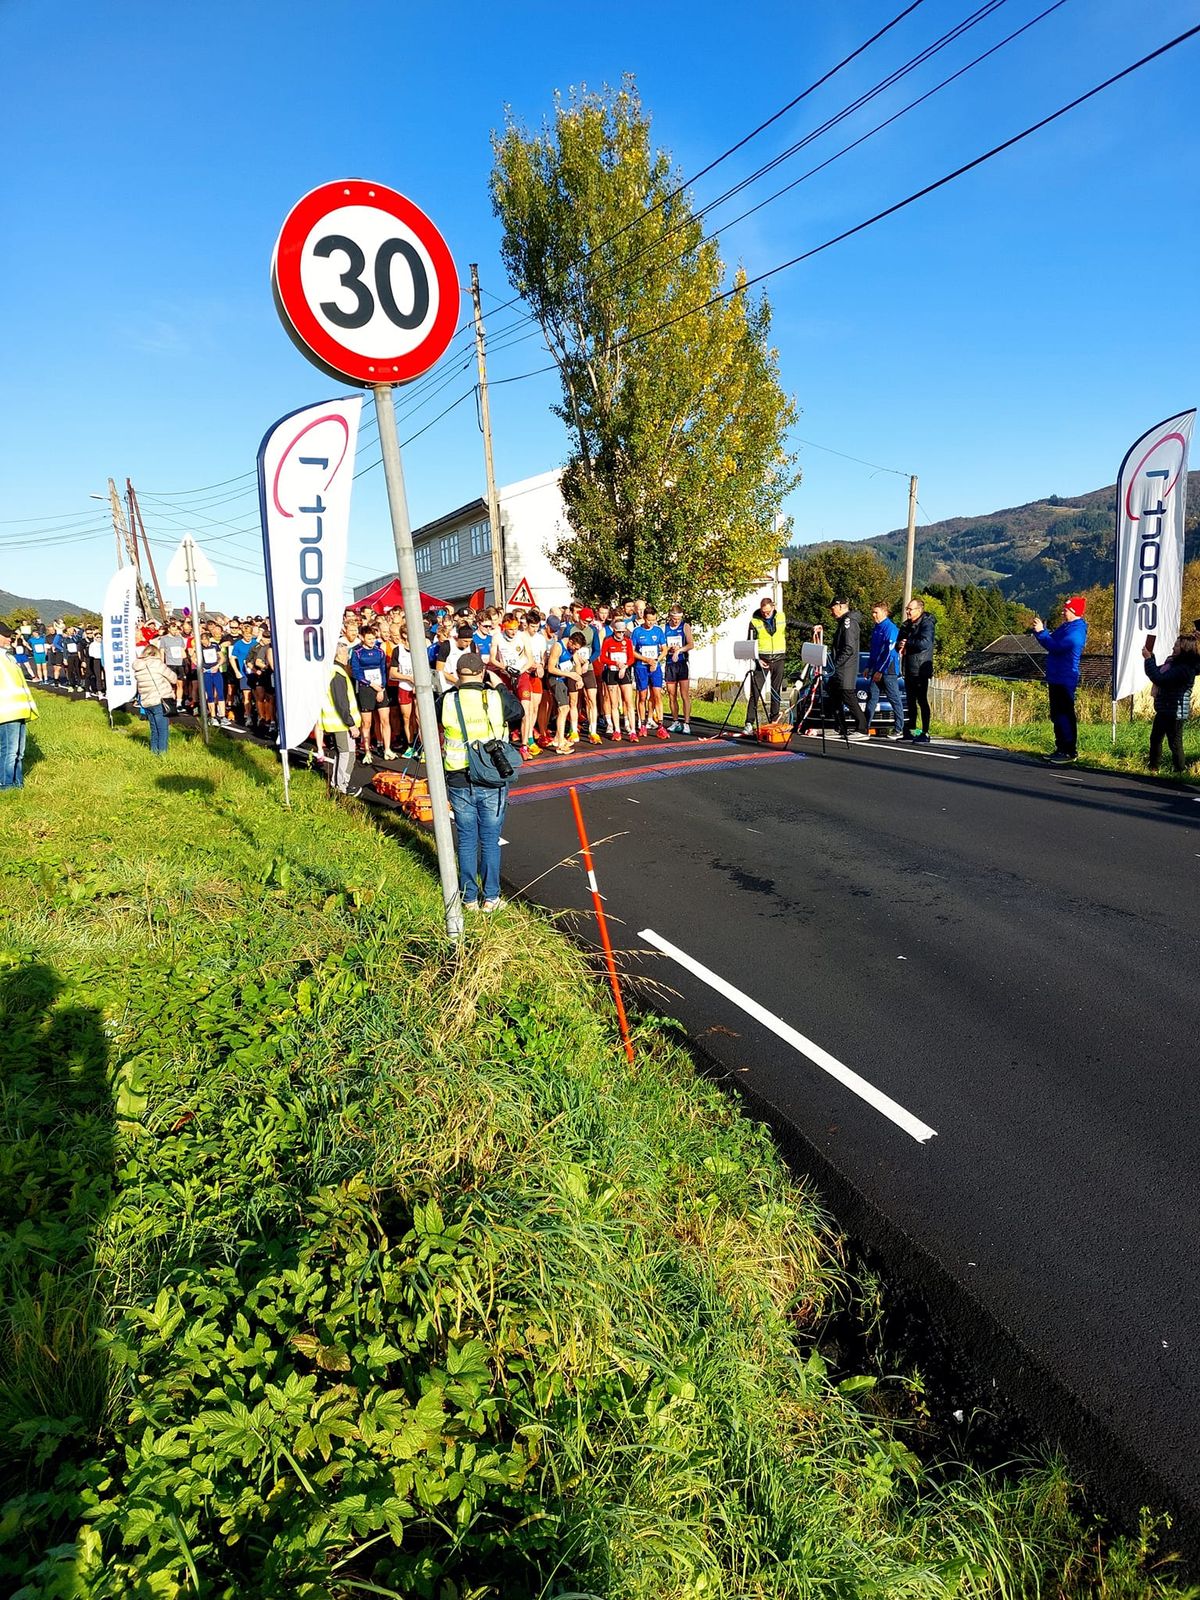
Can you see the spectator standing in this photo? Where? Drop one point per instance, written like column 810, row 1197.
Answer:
column 22, row 654
column 17, row 710
column 1172, row 702
column 473, row 717
column 37, row 648
column 95, row 651
column 340, row 718
column 915, row 643
column 155, row 683
column 768, row 630
column 845, row 651
column 1063, row 647
column 883, row 668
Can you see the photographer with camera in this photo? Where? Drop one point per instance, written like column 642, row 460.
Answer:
column 480, row 761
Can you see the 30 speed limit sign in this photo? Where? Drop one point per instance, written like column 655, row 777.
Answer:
column 364, row 283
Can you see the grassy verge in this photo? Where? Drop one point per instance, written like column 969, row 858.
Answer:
column 1096, row 746
column 335, row 1260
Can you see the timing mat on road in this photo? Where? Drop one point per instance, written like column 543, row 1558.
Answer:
column 651, row 772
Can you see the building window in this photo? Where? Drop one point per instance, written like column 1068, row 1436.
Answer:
column 424, row 557
column 481, row 538
column 449, row 549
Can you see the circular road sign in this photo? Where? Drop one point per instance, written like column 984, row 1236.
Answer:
column 364, row 283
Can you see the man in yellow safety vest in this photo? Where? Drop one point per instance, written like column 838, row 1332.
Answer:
column 768, row 630
column 479, row 762
column 17, row 708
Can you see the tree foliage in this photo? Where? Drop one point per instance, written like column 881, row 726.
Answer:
column 854, row 573
column 677, row 464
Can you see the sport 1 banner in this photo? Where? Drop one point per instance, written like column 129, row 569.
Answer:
column 119, row 638
column 1151, row 502
column 305, row 474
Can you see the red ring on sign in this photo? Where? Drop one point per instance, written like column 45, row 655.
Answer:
column 312, row 334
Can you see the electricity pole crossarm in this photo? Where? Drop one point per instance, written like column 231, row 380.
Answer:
column 498, row 589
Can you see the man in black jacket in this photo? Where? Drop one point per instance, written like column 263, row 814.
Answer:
column 845, row 647
column 915, row 643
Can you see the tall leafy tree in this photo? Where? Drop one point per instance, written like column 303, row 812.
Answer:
column 677, row 463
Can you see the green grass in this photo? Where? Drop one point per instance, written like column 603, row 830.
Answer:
column 1096, row 746
column 336, row 1260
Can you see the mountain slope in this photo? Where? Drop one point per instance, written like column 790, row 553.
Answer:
column 47, row 610
column 1034, row 552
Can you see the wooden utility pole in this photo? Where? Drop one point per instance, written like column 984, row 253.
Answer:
column 124, row 536
column 485, row 422
column 136, row 523
column 910, row 547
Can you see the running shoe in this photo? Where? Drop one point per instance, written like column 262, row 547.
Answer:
column 531, row 750
column 389, row 755
column 633, row 738
column 686, row 728
column 594, row 738
column 676, row 726
column 750, row 732
column 661, row 733
column 615, row 736
column 494, row 905
column 410, row 754
column 366, row 758
column 470, row 905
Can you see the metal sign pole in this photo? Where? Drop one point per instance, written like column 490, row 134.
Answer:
column 406, row 565
column 197, row 648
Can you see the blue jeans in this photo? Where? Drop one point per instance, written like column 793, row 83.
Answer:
column 891, row 688
column 12, row 754
column 160, row 728
column 479, row 813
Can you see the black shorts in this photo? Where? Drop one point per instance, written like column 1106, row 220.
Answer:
column 563, row 690
column 367, row 697
column 675, row 671
column 266, row 682
column 614, row 680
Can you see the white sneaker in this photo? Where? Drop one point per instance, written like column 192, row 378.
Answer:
column 676, row 726
column 854, row 737
column 494, row 905
column 685, row 728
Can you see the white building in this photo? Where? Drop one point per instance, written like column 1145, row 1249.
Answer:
column 454, row 560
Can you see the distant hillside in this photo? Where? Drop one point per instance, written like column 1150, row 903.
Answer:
column 47, row 610
column 1034, row 552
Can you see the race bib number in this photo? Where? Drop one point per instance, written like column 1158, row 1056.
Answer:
column 374, row 677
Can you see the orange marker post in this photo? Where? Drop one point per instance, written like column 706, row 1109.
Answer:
column 605, row 941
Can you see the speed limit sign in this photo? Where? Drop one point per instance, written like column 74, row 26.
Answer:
column 364, row 283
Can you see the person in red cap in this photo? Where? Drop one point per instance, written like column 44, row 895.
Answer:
column 1063, row 647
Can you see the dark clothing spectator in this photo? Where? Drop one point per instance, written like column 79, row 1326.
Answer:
column 1172, row 705
column 847, row 640
column 915, row 640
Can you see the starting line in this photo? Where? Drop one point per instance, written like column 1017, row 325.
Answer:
column 881, row 1102
column 647, row 773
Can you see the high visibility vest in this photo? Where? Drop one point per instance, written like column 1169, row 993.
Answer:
column 16, row 698
column 770, row 644
column 483, row 717
column 332, row 720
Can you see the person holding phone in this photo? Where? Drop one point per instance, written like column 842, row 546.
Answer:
column 1064, row 648
column 1172, row 698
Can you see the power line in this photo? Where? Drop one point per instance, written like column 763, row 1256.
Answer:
column 874, row 465
column 888, row 211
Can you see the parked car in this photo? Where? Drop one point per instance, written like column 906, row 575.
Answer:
column 884, row 720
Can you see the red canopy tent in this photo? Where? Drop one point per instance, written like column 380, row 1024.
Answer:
column 387, row 597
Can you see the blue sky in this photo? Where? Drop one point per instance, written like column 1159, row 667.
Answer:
column 1006, row 338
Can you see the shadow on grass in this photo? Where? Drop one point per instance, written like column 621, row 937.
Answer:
column 178, row 783
column 56, row 1130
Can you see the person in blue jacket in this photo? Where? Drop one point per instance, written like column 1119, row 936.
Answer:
column 883, row 668
column 1063, row 649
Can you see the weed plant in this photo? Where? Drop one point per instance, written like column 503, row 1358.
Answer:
column 336, row 1260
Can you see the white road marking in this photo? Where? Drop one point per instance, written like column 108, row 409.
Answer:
column 632, row 801
column 911, row 748
column 882, row 1103
column 501, row 841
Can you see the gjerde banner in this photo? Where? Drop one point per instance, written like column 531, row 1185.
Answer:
column 305, row 474
column 119, row 637
column 1151, row 502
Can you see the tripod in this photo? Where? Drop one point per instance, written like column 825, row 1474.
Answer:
column 755, row 705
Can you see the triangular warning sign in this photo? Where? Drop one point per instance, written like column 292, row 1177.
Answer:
column 522, row 595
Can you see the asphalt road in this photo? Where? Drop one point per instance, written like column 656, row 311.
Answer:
column 1006, row 955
